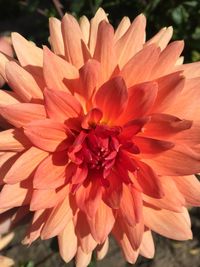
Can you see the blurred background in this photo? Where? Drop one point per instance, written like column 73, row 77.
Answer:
column 30, row 18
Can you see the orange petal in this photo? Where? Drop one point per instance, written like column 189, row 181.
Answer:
column 190, row 70
column 8, row 98
column 140, row 101
column 147, row 248
column 66, row 237
column 191, row 136
column 13, row 140
column 57, row 71
column 85, row 28
column 139, row 67
column 111, row 98
column 26, row 163
column 56, row 38
column 94, row 24
column 47, row 134
column 167, row 59
column 57, row 219
column 122, row 28
column 99, row 229
column 75, row 49
column 82, row 259
column 4, row 59
column 102, row 250
column 90, row 78
column 22, row 82
column 27, row 52
column 61, row 105
column 22, row 113
column 189, row 186
column 14, row 196
column 168, row 223
column 181, row 160
column 55, row 166
column 132, row 41
column 104, row 50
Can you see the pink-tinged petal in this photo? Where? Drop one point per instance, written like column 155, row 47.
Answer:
column 8, row 98
column 94, row 24
column 61, row 105
column 152, row 146
column 169, row 89
column 76, row 51
column 92, row 118
column 13, row 140
column 83, row 232
column 99, row 229
column 90, row 78
column 139, row 67
column 130, row 206
column 2, row 81
column 140, row 101
column 190, row 94
column 190, row 70
column 111, row 98
column 181, row 160
column 113, row 193
column 162, row 38
column 22, row 82
column 148, row 180
column 47, row 134
column 66, row 237
column 167, row 59
column 147, row 248
column 56, row 38
column 14, row 196
column 175, row 203
column 82, row 259
column 166, row 126
column 58, row 73
column 168, row 223
column 122, row 28
column 85, row 28
column 5, row 45
column 88, row 197
column 191, row 136
column 104, row 50
column 26, row 163
column 132, row 127
column 43, row 199
column 6, row 161
column 22, row 113
column 27, row 52
column 130, row 254
column 57, row 219
column 189, row 186
column 132, row 41
column 55, row 166
column 3, row 61
column 102, row 250
column 36, row 226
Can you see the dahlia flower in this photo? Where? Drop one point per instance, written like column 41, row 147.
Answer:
column 103, row 137
column 5, row 47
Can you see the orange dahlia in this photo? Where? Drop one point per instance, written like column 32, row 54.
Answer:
column 102, row 137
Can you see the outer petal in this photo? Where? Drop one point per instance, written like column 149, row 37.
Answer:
column 56, row 38
column 167, row 223
column 85, row 28
column 181, row 160
column 82, row 259
column 189, row 186
column 13, row 140
column 147, row 248
column 47, row 134
column 122, row 28
column 26, row 163
column 75, row 49
column 58, row 73
column 61, row 105
column 22, row 113
column 8, row 98
column 132, row 41
column 111, row 98
column 139, row 67
column 22, row 82
column 104, row 50
column 102, row 250
column 67, row 241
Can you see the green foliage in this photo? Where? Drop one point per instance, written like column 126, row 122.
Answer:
column 28, row 264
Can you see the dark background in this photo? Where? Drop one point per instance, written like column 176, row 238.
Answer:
column 30, row 18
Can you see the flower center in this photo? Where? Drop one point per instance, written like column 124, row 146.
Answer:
column 96, row 149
